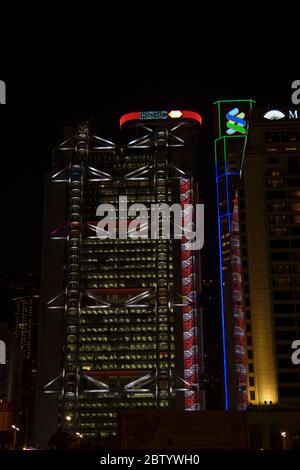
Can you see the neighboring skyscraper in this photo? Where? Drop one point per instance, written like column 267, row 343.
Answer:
column 258, row 179
column 25, row 310
column 212, row 344
column 231, row 131
column 270, row 232
column 19, row 307
column 130, row 331
column 10, row 372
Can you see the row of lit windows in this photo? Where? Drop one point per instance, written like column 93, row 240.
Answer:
column 117, row 275
column 91, row 205
column 284, row 219
column 127, row 404
column 136, row 321
column 285, row 268
column 116, row 320
column 160, row 275
column 131, row 313
column 88, row 402
column 285, row 282
column 111, row 366
column 101, row 249
column 118, row 310
column 284, row 231
column 131, row 365
column 119, row 271
column 127, row 165
column 107, row 401
column 127, row 357
column 114, row 285
column 127, row 259
column 111, row 347
column 93, row 191
column 116, row 250
column 123, row 267
column 139, row 158
column 120, row 347
column 136, row 275
column 276, row 137
column 128, row 241
column 131, row 328
column 124, row 338
column 99, row 415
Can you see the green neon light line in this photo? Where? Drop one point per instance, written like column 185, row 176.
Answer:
column 231, row 137
column 235, row 101
column 215, row 144
column 219, row 119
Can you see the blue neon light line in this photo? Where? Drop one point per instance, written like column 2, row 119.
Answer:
column 222, row 307
column 228, row 174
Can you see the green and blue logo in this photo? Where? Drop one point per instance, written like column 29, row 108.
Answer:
column 235, row 122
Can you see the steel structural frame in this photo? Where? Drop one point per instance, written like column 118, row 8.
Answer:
column 75, row 174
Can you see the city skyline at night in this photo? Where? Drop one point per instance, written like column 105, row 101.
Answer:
column 240, row 364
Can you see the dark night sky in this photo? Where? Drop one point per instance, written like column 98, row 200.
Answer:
column 56, row 70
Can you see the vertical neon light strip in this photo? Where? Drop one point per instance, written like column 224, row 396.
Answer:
column 222, row 298
column 228, row 213
column 221, row 272
column 238, row 311
column 190, row 327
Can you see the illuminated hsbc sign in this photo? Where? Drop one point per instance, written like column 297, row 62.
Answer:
column 154, row 115
column 2, row 352
column 161, row 116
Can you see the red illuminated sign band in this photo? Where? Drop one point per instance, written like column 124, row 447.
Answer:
column 158, row 115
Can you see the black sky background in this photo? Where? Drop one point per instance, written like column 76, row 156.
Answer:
column 30, row 128
column 60, row 66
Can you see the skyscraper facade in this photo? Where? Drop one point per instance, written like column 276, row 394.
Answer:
column 26, row 311
column 120, row 323
column 10, row 372
column 259, row 250
column 269, row 213
column 231, row 127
